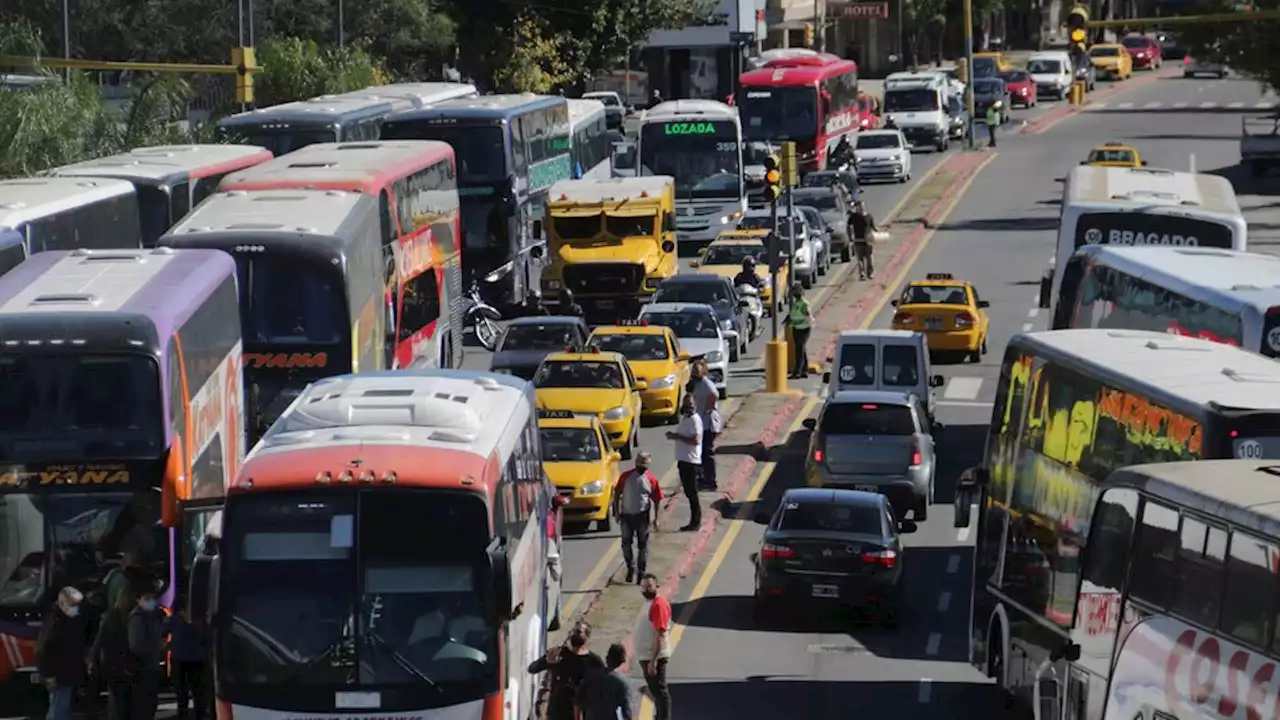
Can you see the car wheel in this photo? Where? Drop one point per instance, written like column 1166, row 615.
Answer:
column 1222, row 75
column 733, row 354
column 893, row 610
column 763, row 610
column 625, row 451
column 605, row 524
column 984, row 346
column 922, row 509
column 806, row 282
column 723, row 393
column 975, row 356
column 903, row 180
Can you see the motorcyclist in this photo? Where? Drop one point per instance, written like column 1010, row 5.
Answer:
column 569, row 306
column 889, row 124
column 748, row 275
column 843, row 153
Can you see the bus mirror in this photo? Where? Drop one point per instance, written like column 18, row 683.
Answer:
column 1046, row 289
column 963, row 506
column 535, row 252
column 1069, row 652
column 202, row 586
column 170, row 489
column 500, row 576
column 668, row 246
column 826, row 103
column 537, row 230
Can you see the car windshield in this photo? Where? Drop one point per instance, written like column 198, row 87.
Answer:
column 764, row 222
column 635, row 347
column 854, row 418
column 561, row 444
column 934, row 295
column 1104, row 52
column 1044, row 67
column 290, row 300
column 878, row 141
column 709, row 293
column 984, row 67
column 686, row 324
column 988, row 87
column 1137, row 42
column 62, row 406
column 733, row 254
column 819, row 200
column 830, row 517
column 540, row 336
column 1016, row 76
column 812, row 216
column 915, row 100
column 579, row 374
column 322, row 590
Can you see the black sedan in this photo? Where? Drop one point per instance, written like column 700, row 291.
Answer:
column 833, row 546
column 835, row 211
column 988, row 91
column 528, row 340
column 721, row 295
column 848, row 179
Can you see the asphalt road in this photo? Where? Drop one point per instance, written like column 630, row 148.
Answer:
column 1001, row 236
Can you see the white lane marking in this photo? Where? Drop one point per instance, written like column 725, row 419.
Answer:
column 1026, row 327
column 1097, row 106
column 1236, row 105
column 962, row 388
column 953, row 564
column 966, row 403
column 1180, row 104
column 1033, row 312
column 1152, row 105
column 1191, row 163
column 926, row 689
column 935, row 641
column 944, row 602
column 1208, row 104
column 1125, row 105
column 962, row 535
column 1264, row 105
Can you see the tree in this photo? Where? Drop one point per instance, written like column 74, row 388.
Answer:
column 536, row 63
column 412, row 37
column 294, row 68
column 1247, row 47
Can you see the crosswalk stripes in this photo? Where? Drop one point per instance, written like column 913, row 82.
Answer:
column 962, row 392
column 1260, row 105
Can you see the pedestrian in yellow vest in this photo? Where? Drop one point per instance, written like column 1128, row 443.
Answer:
column 801, row 321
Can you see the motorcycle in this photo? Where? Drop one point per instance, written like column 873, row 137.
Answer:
column 481, row 318
column 754, row 308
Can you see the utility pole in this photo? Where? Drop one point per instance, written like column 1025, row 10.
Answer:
column 342, row 29
column 66, row 35
column 968, row 54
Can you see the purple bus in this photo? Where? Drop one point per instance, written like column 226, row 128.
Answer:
column 121, row 425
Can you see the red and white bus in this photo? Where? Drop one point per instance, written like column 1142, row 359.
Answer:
column 1175, row 612
column 415, row 182
column 802, row 96
column 384, row 553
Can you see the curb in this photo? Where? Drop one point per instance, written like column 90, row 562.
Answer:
column 1038, row 125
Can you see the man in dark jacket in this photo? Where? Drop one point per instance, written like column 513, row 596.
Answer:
column 567, row 665
column 188, row 645
column 146, row 628
column 60, row 652
column 605, row 694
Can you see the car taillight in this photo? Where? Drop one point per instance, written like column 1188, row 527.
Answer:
column 884, row 558
column 817, row 455
column 964, row 320
column 776, row 552
column 916, row 457
column 902, row 318
column 1186, row 60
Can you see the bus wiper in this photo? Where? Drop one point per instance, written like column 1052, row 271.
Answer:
column 315, row 661
column 399, row 659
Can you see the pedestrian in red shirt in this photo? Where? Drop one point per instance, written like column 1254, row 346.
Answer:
column 635, row 501
column 653, row 645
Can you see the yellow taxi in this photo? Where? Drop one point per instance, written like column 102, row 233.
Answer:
column 947, row 311
column 1114, row 154
column 594, row 383
column 580, row 462
column 1111, row 60
column 725, row 254
column 654, row 354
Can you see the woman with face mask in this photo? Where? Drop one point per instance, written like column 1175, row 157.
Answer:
column 567, row 665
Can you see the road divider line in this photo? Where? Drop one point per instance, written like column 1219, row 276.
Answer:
column 717, row 558
column 1026, row 327
column 1033, row 312
column 926, row 690
column 953, row 564
column 962, row 535
column 944, row 602
column 933, row 645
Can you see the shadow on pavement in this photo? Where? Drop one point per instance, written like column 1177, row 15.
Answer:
column 1231, row 138
column 761, row 698
column 1175, row 111
column 1004, row 224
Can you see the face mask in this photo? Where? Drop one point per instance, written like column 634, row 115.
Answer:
column 148, row 605
column 72, row 611
column 649, row 594
column 577, row 640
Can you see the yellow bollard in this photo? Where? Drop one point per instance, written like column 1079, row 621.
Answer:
column 1078, row 92
column 776, row 360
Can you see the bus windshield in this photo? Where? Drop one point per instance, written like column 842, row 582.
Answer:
column 480, row 150
column 282, row 140
column 322, row 590
column 778, row 113
column 65, row 406
column 702, row 157
column 288, row 300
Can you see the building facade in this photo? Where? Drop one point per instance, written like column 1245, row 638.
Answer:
column 704, row 61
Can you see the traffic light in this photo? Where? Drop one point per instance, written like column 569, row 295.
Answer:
column 246, row 66
column 808, row 35
column 1076, row 31
column 790, row 177
column 773, row 178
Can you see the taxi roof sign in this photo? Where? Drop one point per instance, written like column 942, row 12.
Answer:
column 939, row 276
column 631, row 323
column 556, row 415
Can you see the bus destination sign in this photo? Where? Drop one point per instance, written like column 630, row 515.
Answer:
column 690, row 128
column 71, row 475
column 1131, row 228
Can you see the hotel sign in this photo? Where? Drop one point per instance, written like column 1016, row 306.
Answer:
column 866, row 11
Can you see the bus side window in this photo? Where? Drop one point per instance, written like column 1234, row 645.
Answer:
column 1107, row 554
column 179, row 202
column 11, row 256
column 1199, row 578
column 1154, row 554
column 1069, row 293
column 1249, row 601
column 204, row 187
column 421, row 304
column 388, row 223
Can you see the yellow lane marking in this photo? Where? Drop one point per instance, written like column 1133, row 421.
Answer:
column 722, row 551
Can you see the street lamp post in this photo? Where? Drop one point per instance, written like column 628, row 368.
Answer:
column 66, row 34
column 968, row 54
column 342, row 30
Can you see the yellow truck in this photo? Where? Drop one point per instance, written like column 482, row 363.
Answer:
column 610, row 242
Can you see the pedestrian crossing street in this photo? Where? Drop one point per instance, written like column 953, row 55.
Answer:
column 1260, row 105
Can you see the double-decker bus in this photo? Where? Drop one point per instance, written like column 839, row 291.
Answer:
column 1073, row 406
column 414, row 183
column 385, row 551
column 590, row 140
column 57, row 213
column 328, row 118
column 170, row 179
column 310, row 270
column 420, row 94
column 120, row 407
column 1221, row 295
column 510, row 150
column 699, row 143
column 1143, row 206
column 806, row 97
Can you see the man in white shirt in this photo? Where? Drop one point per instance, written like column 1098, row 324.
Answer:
column 688, row 440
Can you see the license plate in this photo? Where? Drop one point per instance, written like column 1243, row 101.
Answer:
column 933, row 323
column 826, row 591
column 604, row 303
column 866, row 488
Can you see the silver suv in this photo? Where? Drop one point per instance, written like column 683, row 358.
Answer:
column 874, row 441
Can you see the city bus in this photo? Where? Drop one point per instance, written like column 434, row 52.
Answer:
column 806, row 97
column 55, row 213
column 1221, row 295
column 699, row 143
column 320, row 605
column 1073, row 406
column 510, row 150
column 590, row 140
column 414, row 183
column 170, row 179
column 310, row 271
column 420, row 94
column 121, row 412
column 1143, row 206
column 329, row 118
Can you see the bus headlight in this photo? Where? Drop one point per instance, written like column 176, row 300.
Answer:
column 663, row 383
column 595, row 487
column 731, row 217
column 617, row 413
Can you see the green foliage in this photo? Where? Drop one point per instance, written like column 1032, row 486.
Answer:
column 411, row 37
column 536, row 63
column 295, row 68
column 1247, row 47
column 601, row 36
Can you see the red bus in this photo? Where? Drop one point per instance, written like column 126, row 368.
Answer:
column 415, row 182
column 803, row 96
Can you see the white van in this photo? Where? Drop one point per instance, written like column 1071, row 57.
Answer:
column 917, row 104
column 890, row 360
column 1052, row 73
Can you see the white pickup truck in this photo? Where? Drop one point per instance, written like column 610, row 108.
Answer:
column 1260, row 143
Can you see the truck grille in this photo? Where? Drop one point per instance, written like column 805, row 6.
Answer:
column 604, row 278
